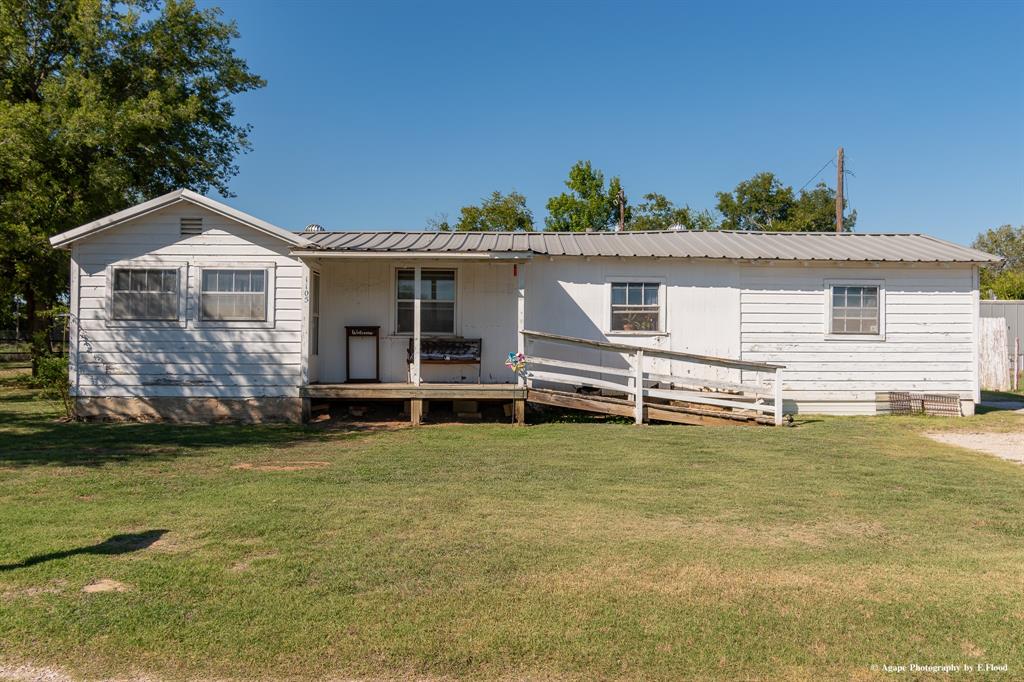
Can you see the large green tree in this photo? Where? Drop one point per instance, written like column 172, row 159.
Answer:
column 1006, row 279
column 104, row 103
column 763, row 203
column 589, row 204
column 657, row 212
column 496, row 213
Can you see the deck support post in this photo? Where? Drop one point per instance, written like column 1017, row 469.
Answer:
column 417, row 282
column 416, row 411
column 519, row 411
column 638, row 386
column 778, row 397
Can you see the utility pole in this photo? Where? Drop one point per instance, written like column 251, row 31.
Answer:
column 622, row 210
column 839, row 193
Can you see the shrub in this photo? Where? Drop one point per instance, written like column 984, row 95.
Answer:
column 52, row 378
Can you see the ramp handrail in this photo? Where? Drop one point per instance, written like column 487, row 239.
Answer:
column 735, row 395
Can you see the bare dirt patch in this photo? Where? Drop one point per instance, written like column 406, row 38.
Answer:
column 53, row 587
column 245, row 564
column 356, row 426
column 1008, row 446
column 106, row 585
column 971, row 649
column 26, row 672
column 173, row 543
column 31, row 673
column 279, row 466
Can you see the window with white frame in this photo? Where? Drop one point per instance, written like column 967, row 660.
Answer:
column 437, row 301
column 636, row 307
column 145, row 294
column 233, row 295
column 314, row 313
column 855, row 309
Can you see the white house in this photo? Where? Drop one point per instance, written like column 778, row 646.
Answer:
column 185, row 308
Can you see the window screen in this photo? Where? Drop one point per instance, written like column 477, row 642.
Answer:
column 314, row 313
column 437, row 301
column 234, row 295
column 636, row 306
column 145, row 294
column 855, row 309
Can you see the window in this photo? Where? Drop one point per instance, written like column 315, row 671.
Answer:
column 233, row 295
column 314, row 313
column 145, row 294
column 437, row 301
column 855, row 309
column 636, row 306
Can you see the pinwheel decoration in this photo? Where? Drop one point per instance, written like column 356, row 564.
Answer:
column 516, row 362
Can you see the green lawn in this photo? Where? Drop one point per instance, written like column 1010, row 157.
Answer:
column 576, row 551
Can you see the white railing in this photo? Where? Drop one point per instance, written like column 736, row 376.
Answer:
column 761, row 395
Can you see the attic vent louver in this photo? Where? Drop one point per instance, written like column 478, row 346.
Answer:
column 191, row 226
column 313, row 227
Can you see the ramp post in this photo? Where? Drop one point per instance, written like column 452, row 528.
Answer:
column 778, row 397
column 638, row 386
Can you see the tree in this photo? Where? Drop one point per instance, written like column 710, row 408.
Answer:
column 105, row 103
column 815, row 211
column 657, row 212
column 496, row 213
column 439, row 223
column 763, row 203
column 1007, row 242
column 1006, row 279
column 588, row 205
column 760, row 203
column 1007, row 285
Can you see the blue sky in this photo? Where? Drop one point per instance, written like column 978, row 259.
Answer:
column 380, row 115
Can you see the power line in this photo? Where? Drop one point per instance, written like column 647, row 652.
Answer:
column 818, row 173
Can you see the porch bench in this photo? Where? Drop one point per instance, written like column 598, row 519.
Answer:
column 448, row 350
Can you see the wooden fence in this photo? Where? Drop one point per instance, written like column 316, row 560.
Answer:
column 1009, row 364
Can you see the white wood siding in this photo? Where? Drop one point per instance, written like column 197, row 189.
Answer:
column 563, row 295
column 154, row 360
column 700, row 306
column 362, row 292
column 928, row 345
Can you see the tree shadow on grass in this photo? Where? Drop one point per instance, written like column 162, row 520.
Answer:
column 115, row 544
column 28, row 439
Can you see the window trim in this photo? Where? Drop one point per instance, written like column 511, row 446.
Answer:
column 147, row 264
column 456, row 319
column 833, row 336
column 196, row 284
column 663, row 321
column 315, row 297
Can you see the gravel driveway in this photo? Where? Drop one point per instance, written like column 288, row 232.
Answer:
column 1009, row 446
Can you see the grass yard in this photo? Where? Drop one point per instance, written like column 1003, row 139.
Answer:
column 566, row 551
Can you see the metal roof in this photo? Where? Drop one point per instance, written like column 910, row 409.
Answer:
column 798, row 246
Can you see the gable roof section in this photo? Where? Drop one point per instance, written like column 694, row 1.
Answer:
column 781, row 246
column 65, row 239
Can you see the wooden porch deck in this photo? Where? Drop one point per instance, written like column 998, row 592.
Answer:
column 424, row 391
column 417, row 394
